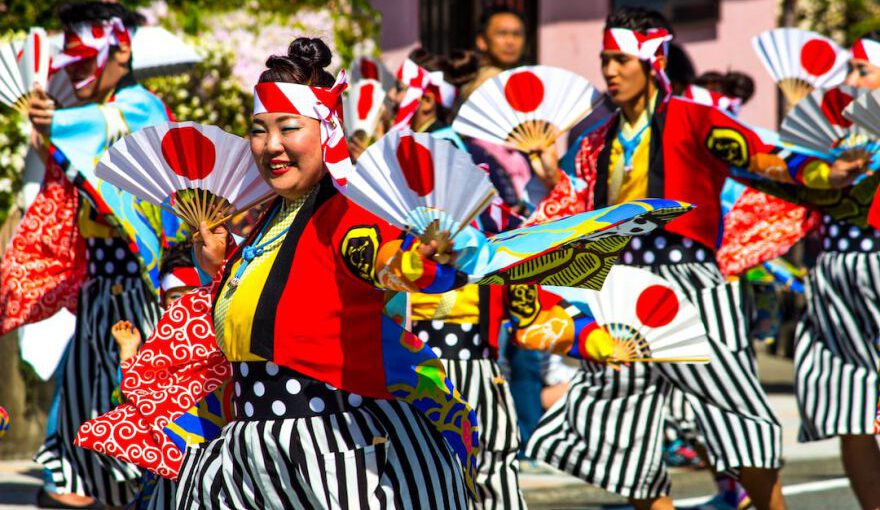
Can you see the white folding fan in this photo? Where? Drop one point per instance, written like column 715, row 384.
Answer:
column 200, row 173
column 526, row 108
column 800, row 61
column 648, row 319
column 22, row 66
column 420, row 183
column 368, row 68
column 363, row 104
column 864, row 111
column 818, row 122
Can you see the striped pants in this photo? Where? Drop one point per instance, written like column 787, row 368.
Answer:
column 87, row 383
column 608, row 429
column 381, row 455
column 836, row 357
column 482, row 386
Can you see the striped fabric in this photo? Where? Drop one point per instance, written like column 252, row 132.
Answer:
column 383, row 455
column 87, row 383
column 482, row 386
column 836, row 359
column 608, row 428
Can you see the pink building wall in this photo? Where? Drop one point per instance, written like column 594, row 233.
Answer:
column 569, row 36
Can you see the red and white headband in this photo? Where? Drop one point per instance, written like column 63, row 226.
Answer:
column 91, row 40
column 644, row 46
column 705, row 96
column 180, row 277
column 419, row 81
column 867, row 49
column 322, row 104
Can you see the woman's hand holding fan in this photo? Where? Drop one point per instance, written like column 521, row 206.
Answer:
column 200, row 173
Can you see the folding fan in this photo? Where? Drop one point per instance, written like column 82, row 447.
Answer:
column 526, row 108
column 818, row 122
column 22, row 67
column 200, row 173
column 647, row 318
column 864, row 111
column 800, row 61
column 366, row 68
column 420, row 183
column 363, row 104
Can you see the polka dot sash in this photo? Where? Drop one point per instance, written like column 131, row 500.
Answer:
column 663, row 248
column 843, row 237
column 451, row 340
column 109, row 258
column 267, row 391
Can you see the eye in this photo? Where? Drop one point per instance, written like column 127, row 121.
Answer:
column 257, row 130
column 290, row 128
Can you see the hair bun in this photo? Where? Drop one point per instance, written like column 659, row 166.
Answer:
column 310, row 52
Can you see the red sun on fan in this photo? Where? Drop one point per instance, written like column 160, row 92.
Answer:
column 834, row 102
column 417, row 165
column 524, row 91
column 817, row 57
column 657, row 306
column 188, row 152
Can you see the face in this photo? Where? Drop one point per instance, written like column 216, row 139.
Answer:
column 287, row 149
column 863, row 74
column 504, row 41
column 625, row 77
column 172, row 295
column 114, row 70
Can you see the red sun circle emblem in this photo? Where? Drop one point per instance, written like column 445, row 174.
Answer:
column 524, row 91
column 817, row 57
column 417, row 165
column 657, row 306
column 188, row 152
column 365, row 100
column 834, row 101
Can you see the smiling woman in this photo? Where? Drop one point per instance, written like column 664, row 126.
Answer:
column 298, row 307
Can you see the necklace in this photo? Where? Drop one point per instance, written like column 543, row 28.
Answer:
column 249, row 253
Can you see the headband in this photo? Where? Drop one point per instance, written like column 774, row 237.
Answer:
column 644, row 46
column 419, row 82
column 91, row 40
column 180, row 277
column 705, row 96
column 322, row 104
column 867, row 49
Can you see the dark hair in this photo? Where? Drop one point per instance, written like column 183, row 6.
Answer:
column 462, row 67
column 495, row 10
column 638, row 19
column 179, row 255
column 679, row 68
column 427, row 60
column 74, row 13
column 731, row 84
column 874, row 35
column 304, row 64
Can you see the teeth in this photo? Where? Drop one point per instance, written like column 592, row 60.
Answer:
column 278, row 166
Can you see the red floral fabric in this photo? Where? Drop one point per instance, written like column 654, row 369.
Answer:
column 758, row 228
column 45, row 262
column 175, row 369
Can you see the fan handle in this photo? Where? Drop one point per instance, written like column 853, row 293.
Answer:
column 265, row 198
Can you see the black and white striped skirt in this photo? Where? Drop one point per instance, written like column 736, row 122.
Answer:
column 836, row 357
column 481, row 384
column 87, row 383
column 608, row 428
column 377, row 454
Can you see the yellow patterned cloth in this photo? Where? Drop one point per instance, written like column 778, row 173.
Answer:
column 460, row 306
column 236, row 305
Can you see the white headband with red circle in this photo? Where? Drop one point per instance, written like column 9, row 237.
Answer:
column 645, row 46
column 322, row 104
column 420, row 81
column 91, row 40
column 867, row 49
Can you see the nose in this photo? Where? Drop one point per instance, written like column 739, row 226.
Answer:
column 852, row 79
column 273, row 142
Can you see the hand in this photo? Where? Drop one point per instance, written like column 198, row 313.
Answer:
column 128, row 339
column 357, row 144
column 39, row 146
column 434, row 251
column 40, row 111
column 843, row 172
column 545, row 164
column 210, row 247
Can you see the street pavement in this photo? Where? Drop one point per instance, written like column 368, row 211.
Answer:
column 812, row 476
